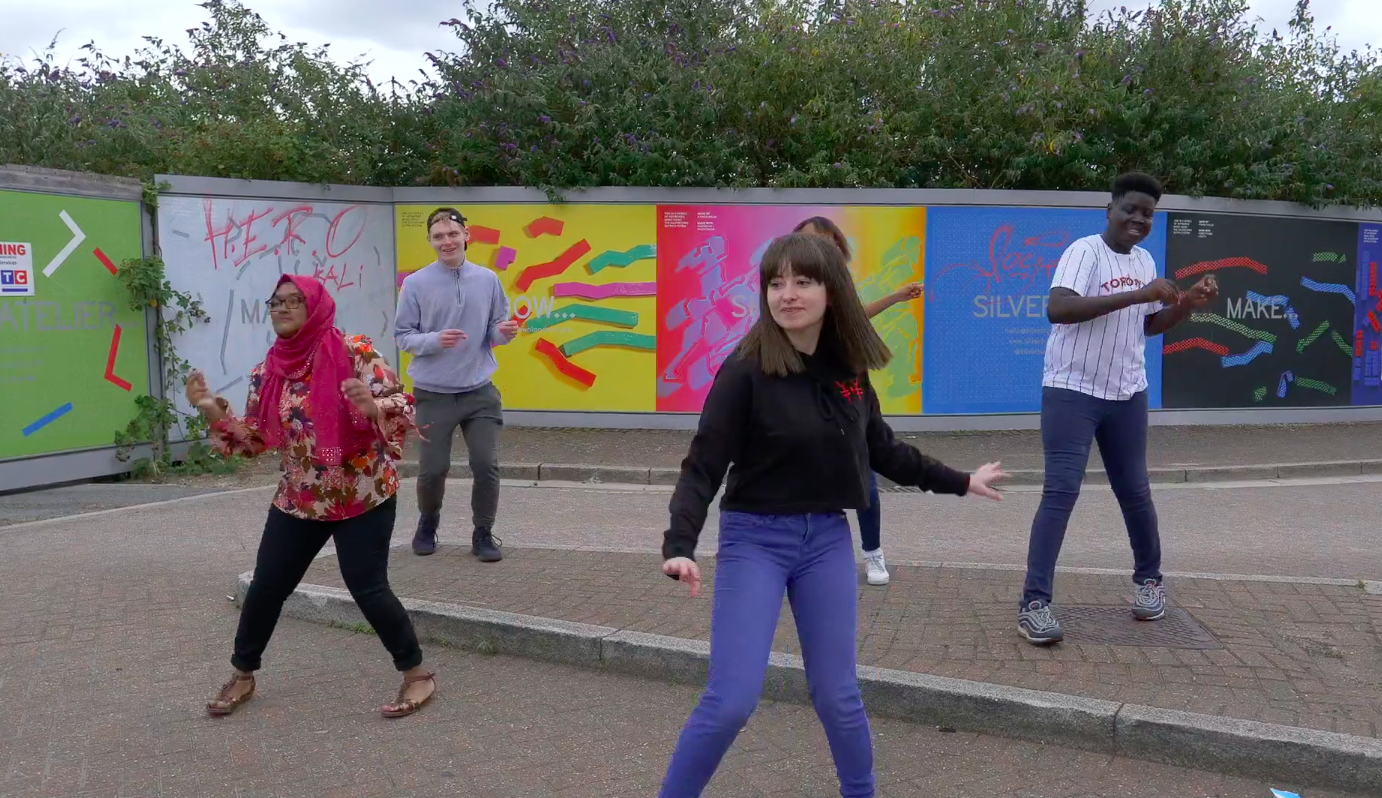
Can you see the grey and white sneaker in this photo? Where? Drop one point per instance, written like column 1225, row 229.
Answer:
column 875, row 568
column 1149, row 603
column 1038, row 625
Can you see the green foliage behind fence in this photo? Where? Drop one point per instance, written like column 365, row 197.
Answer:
column 787, row 93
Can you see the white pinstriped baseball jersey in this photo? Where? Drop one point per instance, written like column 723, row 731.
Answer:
column 1102, row 357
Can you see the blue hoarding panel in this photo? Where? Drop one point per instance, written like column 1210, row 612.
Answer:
column 988, row 275
column 1367, row 319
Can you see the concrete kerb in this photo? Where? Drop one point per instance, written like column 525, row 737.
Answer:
column 639, row 475
column 962, row 705
column 1258, row 750
column 1242, row 747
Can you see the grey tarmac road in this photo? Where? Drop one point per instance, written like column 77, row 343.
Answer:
column 18, row 508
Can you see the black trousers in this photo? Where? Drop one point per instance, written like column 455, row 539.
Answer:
column 287, row 550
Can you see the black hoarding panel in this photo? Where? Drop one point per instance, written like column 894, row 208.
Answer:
column 1280, row 334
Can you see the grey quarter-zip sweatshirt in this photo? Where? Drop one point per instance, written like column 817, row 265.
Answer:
column 437, row 297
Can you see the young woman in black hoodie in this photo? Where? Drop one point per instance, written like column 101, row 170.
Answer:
column 793, row 411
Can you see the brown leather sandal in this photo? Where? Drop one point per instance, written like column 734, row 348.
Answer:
column 403, row 707
column 222, row 704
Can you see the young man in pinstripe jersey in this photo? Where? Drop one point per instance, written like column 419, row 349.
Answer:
column 1105, row 300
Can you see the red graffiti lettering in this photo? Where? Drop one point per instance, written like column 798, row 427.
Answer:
column 330, row 277
column 295, row 217
column 247, row 248
column 208, row 208
column 236, row 248
column 331, row 233
column 235, row 242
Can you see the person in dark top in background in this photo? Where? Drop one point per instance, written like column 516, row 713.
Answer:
column 871, row 517
column 1106, row 299
column 793, row 411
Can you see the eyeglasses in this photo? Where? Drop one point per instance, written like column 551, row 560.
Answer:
column 290, row 302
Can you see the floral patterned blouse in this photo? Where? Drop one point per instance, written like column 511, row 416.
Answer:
column 308, row 489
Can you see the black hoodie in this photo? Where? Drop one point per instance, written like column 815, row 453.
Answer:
column 804, row 443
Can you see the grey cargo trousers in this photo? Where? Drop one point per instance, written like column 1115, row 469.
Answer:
column 480, row 415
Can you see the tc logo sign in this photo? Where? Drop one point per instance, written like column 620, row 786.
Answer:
column 16, row 269
column 16, row 281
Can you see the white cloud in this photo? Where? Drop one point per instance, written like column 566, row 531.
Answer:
column 394, row 35
column 1357, row 23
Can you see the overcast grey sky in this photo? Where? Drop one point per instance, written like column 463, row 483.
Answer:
column 395, row 34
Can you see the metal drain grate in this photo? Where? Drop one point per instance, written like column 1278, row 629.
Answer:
column 1115, row 626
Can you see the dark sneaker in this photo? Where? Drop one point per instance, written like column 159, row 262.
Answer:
column 425, row 538
column 484, row 545
column 1149, row 603
column 1038, row 625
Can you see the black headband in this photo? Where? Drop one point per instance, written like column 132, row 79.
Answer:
column 452, row 215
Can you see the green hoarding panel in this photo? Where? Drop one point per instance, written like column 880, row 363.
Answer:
column 73, row 355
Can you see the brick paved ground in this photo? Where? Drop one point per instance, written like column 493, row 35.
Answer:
column 1298, row 654
column 113, row 630
column 1168, row 447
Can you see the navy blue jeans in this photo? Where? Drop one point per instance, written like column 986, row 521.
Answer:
column 871, row 519
column 1070, row 423
column 810, row 558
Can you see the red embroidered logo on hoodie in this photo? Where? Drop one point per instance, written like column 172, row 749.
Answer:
column 850, row 390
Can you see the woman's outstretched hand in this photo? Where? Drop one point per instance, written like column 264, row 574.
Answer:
column 684, row 569
column 358, row 392
column 201, row 397
column 981, row 481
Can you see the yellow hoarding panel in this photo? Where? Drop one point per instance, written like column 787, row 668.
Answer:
column 582, row 280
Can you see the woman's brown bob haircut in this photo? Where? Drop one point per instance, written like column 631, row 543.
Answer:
column 831, row 229
column 815, row 258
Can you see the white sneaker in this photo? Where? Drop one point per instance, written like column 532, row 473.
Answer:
column 877, row 569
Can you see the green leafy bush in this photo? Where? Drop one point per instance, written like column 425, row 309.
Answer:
column 147, row 289
column 786, row 93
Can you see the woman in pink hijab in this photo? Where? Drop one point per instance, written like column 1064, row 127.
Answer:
column 339, row 416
